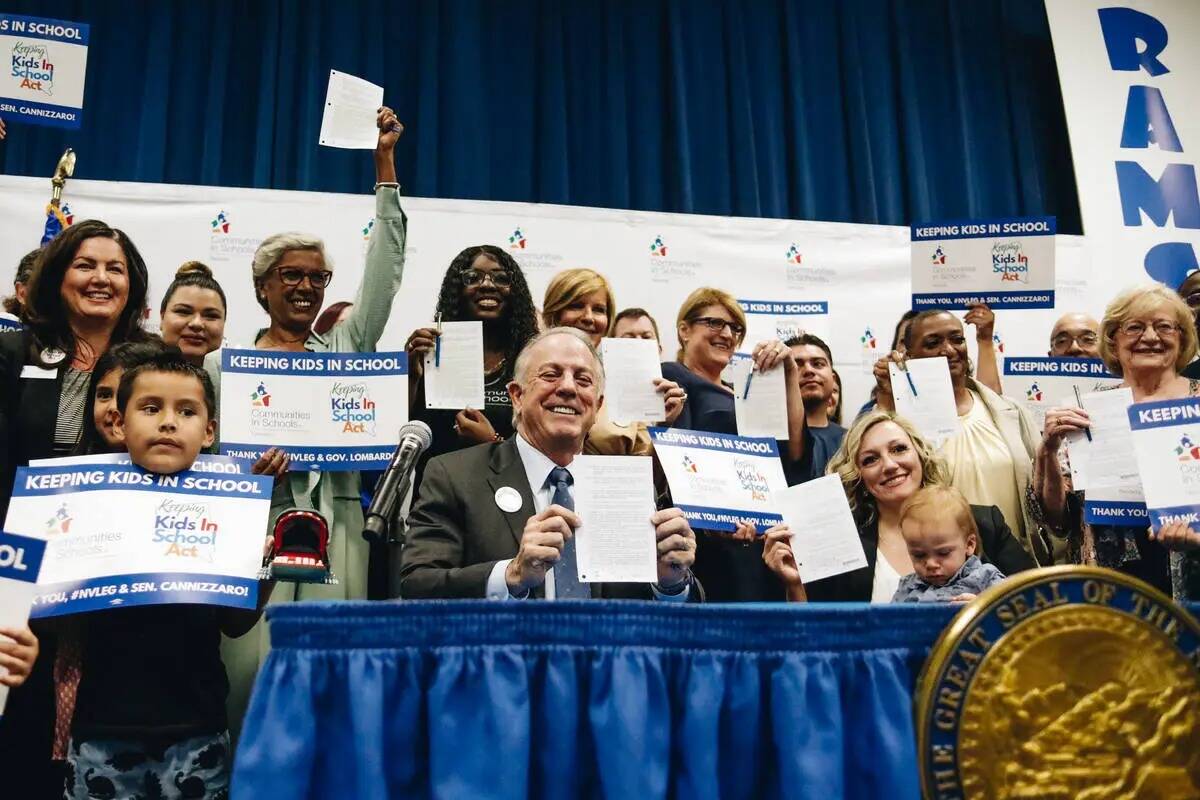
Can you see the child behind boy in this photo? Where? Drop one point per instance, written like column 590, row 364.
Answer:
column 149, row 718
column 942, row 538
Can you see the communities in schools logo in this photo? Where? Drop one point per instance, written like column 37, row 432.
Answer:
column 1033, row 393
column 517, row 240
column 33, row 66
column 366, row 231
column 187, row 529
column 1009, row 262
column 222, row 246
column 939, row 256
column 751, row 479
column 260, row 397
column 689, row 465
column 793, row 255
column 868, row 340
column 1187, row 449
column 60, row 522
column 68, row 214
column 352, row 407
column 220, row 223
column 658, row 247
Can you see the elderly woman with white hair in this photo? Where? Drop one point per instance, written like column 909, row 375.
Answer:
column 1147, row 337
column 291, row 272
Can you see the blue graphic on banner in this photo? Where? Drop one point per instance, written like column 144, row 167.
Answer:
column 1164, row 516
column 721, row 442
column 20, row 557
column 984, row 228
column 960, row 300
column 50, row 30
column 8, row 323
column 40, row 481
column 41, row 113
column 726, row 519
column 1117, row 513
column 784, row 308
column 144, row 589
column 327, row 364
column 1056, row 367
column 1163, row 413
column 317, row 458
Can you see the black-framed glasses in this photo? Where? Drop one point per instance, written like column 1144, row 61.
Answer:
column 1136, row 328
column 1063, row 341
column 716, row 325
column 475, row 277
column 1193, row 300
column 292, row 276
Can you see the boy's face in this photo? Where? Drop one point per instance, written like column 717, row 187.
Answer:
column 937, row 548
column 165, row 424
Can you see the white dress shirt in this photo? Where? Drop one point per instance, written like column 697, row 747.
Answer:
column 537, row 470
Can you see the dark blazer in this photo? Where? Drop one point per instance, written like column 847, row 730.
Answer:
column 457, row 533
column 28, row 411
column 1000, row 547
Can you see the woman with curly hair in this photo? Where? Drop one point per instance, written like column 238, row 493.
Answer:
column 483, row 283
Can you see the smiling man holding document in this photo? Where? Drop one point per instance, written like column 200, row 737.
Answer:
column 498, row 520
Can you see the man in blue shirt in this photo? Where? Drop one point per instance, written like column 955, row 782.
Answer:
column 822, row 437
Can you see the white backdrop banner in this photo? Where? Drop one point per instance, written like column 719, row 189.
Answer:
column 860, row 272
column 1130, row 75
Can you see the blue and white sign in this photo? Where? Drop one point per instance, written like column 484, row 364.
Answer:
column 205, row 462
column 719, row 480
column 20, row 562
column 9, row 323
column 1006, row 262
column 783, row 319
column 118, row 536
column 45, row 62
column 330, row 411
column 1042, row 382
column 1166, row 437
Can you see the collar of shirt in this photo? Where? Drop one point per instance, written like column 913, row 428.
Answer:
column 537, row 469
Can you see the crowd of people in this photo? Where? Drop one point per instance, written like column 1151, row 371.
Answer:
column 123, row 699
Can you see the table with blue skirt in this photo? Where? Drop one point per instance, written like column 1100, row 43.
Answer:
column 588, row 699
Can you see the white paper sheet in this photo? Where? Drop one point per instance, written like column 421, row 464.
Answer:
column 763, row 410
column 825, row 539
column 458, row 382
column 932, row 408
column 1109, row 459
column 630, row 368
column 614, row 498
column 350, row 108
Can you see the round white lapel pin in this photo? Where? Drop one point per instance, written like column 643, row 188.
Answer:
column 508, row 498
column 52, row 356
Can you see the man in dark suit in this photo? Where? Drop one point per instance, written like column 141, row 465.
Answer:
column 494, row 520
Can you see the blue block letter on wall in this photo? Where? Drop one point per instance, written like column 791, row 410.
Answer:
column 1147, row 121
column 1122, row 28
column 1172, row 194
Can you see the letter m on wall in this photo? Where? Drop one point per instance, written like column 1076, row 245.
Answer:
column 1172, row 195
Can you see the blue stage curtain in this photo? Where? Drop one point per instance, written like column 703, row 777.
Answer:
column 871, row 111
column 620, row 700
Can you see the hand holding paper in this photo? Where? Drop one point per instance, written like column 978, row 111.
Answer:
column 614, row 498
column 349, row 119
column 924, row 394
column 631, row 367
column 457, row 381
column 759, row 400
column 825, row 539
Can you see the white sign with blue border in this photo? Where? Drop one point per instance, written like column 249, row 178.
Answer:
column 719, row 480
column 119, row 536
column 330, row 411
column 1042, row 382
column 783, row 319
column 45, row 63
column 20, row 562
column 1166, row 438
column 1005, row 262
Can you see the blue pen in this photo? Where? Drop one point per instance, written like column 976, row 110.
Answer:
column 749, row 377
column 1086, row 431
column 911, row 385
column 437, row 340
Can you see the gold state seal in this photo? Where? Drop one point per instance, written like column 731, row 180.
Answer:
column 1067, row 683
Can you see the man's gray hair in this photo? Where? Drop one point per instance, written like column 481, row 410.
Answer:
column 523, row 357
column 274, row 246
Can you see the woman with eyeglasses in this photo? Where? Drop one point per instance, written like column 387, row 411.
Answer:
column 711, row 326
column 1146, row 337
column 991, row 457
column 483, row 283
column 291, row 272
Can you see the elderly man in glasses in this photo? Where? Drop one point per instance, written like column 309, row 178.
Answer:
column 1075, row 336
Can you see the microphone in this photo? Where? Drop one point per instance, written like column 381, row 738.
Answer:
column 415, row 438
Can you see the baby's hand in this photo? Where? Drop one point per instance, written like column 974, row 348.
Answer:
column 965, row 597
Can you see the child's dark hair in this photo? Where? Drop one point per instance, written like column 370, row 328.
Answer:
column 172, row 361
column 124, row 356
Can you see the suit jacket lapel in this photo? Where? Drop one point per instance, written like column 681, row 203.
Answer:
column 507, row 470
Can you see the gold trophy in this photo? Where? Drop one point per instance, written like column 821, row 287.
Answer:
column 64, row 170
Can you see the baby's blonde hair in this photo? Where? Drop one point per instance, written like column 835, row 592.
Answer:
column 934, row 502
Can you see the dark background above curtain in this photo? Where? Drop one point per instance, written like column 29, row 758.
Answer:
column 873, row 111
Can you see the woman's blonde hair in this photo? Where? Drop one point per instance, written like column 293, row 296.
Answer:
column 938, row 502
column 702, row 298
column 1139, row 302
column 570, row 285
column 844, row 463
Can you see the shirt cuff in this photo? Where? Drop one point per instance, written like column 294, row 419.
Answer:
column 497, row 586
column 678, row 597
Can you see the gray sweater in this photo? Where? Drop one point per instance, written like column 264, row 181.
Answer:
column 972, row 578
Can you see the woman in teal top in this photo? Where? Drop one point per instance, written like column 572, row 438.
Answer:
column 290, row 273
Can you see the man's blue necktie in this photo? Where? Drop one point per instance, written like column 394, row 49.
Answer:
column 566, row 571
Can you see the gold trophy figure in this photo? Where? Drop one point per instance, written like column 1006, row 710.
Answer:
column 64, row 170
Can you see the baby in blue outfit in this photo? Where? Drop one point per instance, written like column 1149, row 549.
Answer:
column 942, row 538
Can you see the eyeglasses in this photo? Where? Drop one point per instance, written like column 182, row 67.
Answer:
column 291, row 276
column 1193, row 300
column 716, row 325
column 474, row 277
column 1136, row 328
column 1064, row 340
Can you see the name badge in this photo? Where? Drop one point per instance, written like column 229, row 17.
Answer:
column 34, row 371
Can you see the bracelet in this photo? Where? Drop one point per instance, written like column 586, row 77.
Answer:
column 391, row 184
column 497, row 437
